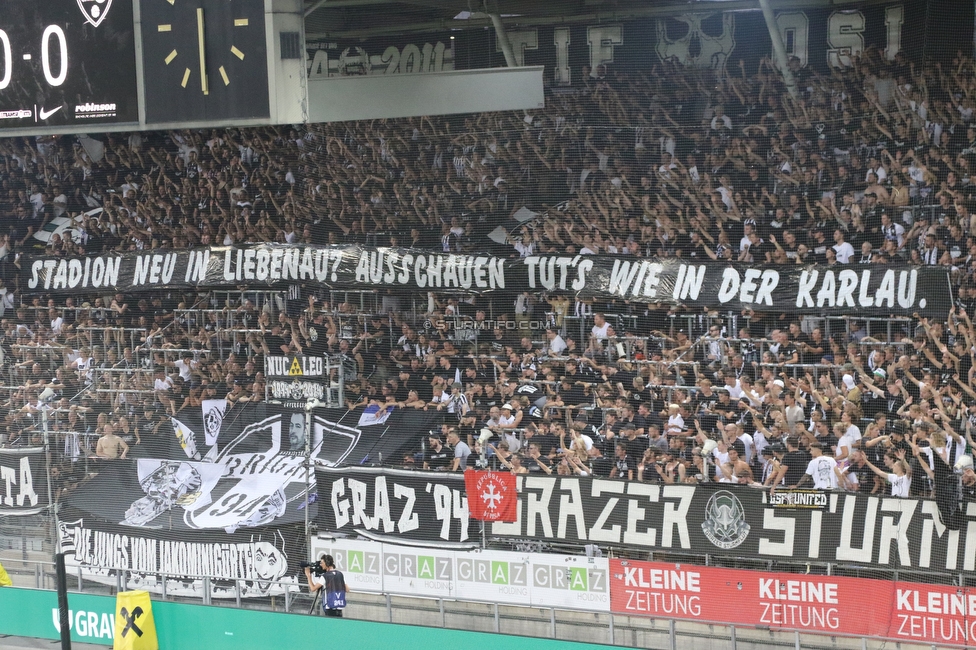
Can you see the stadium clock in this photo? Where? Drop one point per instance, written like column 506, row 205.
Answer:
column 66, row 62
column 204, row 60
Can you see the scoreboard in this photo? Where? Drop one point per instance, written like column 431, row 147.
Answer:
column 67, row 66
column 67, row 62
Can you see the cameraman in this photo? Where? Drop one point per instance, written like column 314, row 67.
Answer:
column 334, row 584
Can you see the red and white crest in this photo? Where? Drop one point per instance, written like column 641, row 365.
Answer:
column 491, row 496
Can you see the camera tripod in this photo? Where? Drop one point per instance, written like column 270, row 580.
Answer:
column 315, row 599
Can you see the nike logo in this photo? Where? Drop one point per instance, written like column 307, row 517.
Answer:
column 46, row 114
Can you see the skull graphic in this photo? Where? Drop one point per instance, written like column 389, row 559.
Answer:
column 698, row 40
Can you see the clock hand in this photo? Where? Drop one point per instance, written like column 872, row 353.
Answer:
column 203, row 52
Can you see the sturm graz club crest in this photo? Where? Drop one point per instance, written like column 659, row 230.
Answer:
column 725, row 521
column 95, row 11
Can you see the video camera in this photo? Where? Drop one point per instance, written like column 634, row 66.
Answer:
column 314, row 566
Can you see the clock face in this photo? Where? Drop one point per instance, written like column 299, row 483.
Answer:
column 66, row 62
column 204, row 60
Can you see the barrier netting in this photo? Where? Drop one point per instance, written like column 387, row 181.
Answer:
column 711, row 320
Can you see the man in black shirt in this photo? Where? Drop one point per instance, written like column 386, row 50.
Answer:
column 571, row 393
column 437, row 456
column 795, row 462
column 636, row 444
column 545, row 437
column 623, row 463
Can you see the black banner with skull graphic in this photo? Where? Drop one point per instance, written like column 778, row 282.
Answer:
column 248, row 473
column 818, row 38
column 223, row 495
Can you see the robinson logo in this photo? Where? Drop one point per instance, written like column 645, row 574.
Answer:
column 725, row 521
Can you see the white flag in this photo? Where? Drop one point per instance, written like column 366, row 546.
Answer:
column 373, row 414
column 213, row 417
column 187, row 439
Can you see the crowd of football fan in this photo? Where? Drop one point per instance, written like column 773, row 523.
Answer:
column 871, row 163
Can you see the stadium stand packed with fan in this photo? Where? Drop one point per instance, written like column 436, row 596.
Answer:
column 870, row 164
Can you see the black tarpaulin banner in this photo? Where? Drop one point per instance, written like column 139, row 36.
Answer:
column 732, row 521
column 867, row 290
column 818, row 37
column 246, row 562
column 244, row 469
column 23, row 486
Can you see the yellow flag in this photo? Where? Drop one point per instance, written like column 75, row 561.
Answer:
column 296, row 368
column 134, row 625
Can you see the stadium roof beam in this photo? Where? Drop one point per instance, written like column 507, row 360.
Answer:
column 336, row 4
column 661, row 10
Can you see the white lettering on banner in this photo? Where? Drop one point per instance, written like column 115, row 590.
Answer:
column 87, row 624
column 298, row 264
column 196, row 267
column 449, row 505
column 384, row 267
column 845, row 38
column 638, row 279
column 602, row 39
column 542, row 271
column 839, row 290
column 563, row 73
column 662, row 591
column 846, row 551
column 154, row 269
column 70, row 274
column 931, row 628
column 296, row 390
column 408, row 520
column 894, row 19
column 656, row 603
column 18, row 479
column 101, row 554
column 536, row 496
column 800, row 616
column 746, row 288
column 935, row 602
column 794, row 28
column 801, row 591
column 296, row 366
column 896, row 530
column 689, row 282
column 787, row 525
column 430, row 57
column 670, row 579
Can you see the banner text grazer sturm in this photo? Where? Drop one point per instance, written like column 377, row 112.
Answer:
column 875, row 531
column 23, row 490
column 878, row 290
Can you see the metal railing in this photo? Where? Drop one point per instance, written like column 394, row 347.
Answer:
column 467, row 614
